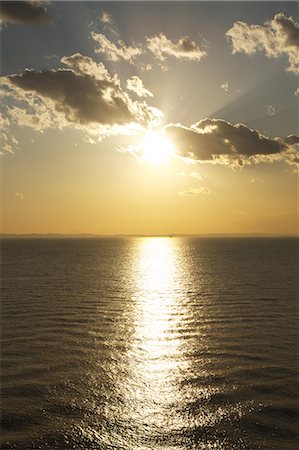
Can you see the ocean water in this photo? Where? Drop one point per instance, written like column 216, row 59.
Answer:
column 150, row 343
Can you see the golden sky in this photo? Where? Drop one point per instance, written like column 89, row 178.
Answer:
column 139, row 118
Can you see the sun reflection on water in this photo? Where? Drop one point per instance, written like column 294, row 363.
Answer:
column 162, row 356
column 155, row 345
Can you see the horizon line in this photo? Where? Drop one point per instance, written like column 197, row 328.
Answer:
column 99, row 235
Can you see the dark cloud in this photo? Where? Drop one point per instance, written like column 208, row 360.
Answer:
column 24, row 12
column 289, row 29
column 292, row 139
column 210, row 139
column 81, row 98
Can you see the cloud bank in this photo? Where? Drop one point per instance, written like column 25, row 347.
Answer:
column 278, row 37
column 24, row 12
column 83, row 96
column 218, row 141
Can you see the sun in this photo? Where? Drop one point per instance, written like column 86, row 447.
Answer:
column 156, row 148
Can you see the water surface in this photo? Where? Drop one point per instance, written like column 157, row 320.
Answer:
column 149, row 343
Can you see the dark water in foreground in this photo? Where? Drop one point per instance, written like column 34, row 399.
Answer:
column 149, row 343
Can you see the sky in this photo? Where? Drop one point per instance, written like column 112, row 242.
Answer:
column 149, row 117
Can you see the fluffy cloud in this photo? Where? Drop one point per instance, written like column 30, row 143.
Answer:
column 162, row 47
column 135, row 84
column 279, row 36
column 83, row 96
column 114, row 52
column 218, row 141
column 24, row 12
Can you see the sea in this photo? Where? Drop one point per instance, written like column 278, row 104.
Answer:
column 149, row 343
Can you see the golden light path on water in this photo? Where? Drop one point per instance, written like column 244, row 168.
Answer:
column 162, row 355
column 155, row 341
column 168, row 328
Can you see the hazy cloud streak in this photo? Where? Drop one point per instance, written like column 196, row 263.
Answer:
column 194, row 191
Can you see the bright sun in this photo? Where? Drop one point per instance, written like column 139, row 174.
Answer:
column 157, row 149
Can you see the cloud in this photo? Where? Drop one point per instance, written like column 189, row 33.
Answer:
column 19, row 195
column 24, row 12
column 225, row 87
column 135, row 84
column 83, row 96
column 218, row 141
column 108, row 23
column 278, row 37
column 114, row 52
column 85, row 65
column 194, row 191
column 7, row 140
column 196, row 175
column 105, row 17
column 146, row 67
column 292, row 139
column 162, row 47
column 296, row 92
column 228, row 89
column 271, row 110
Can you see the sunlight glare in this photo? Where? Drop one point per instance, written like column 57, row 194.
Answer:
column 157, row 313
column 157, row 149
